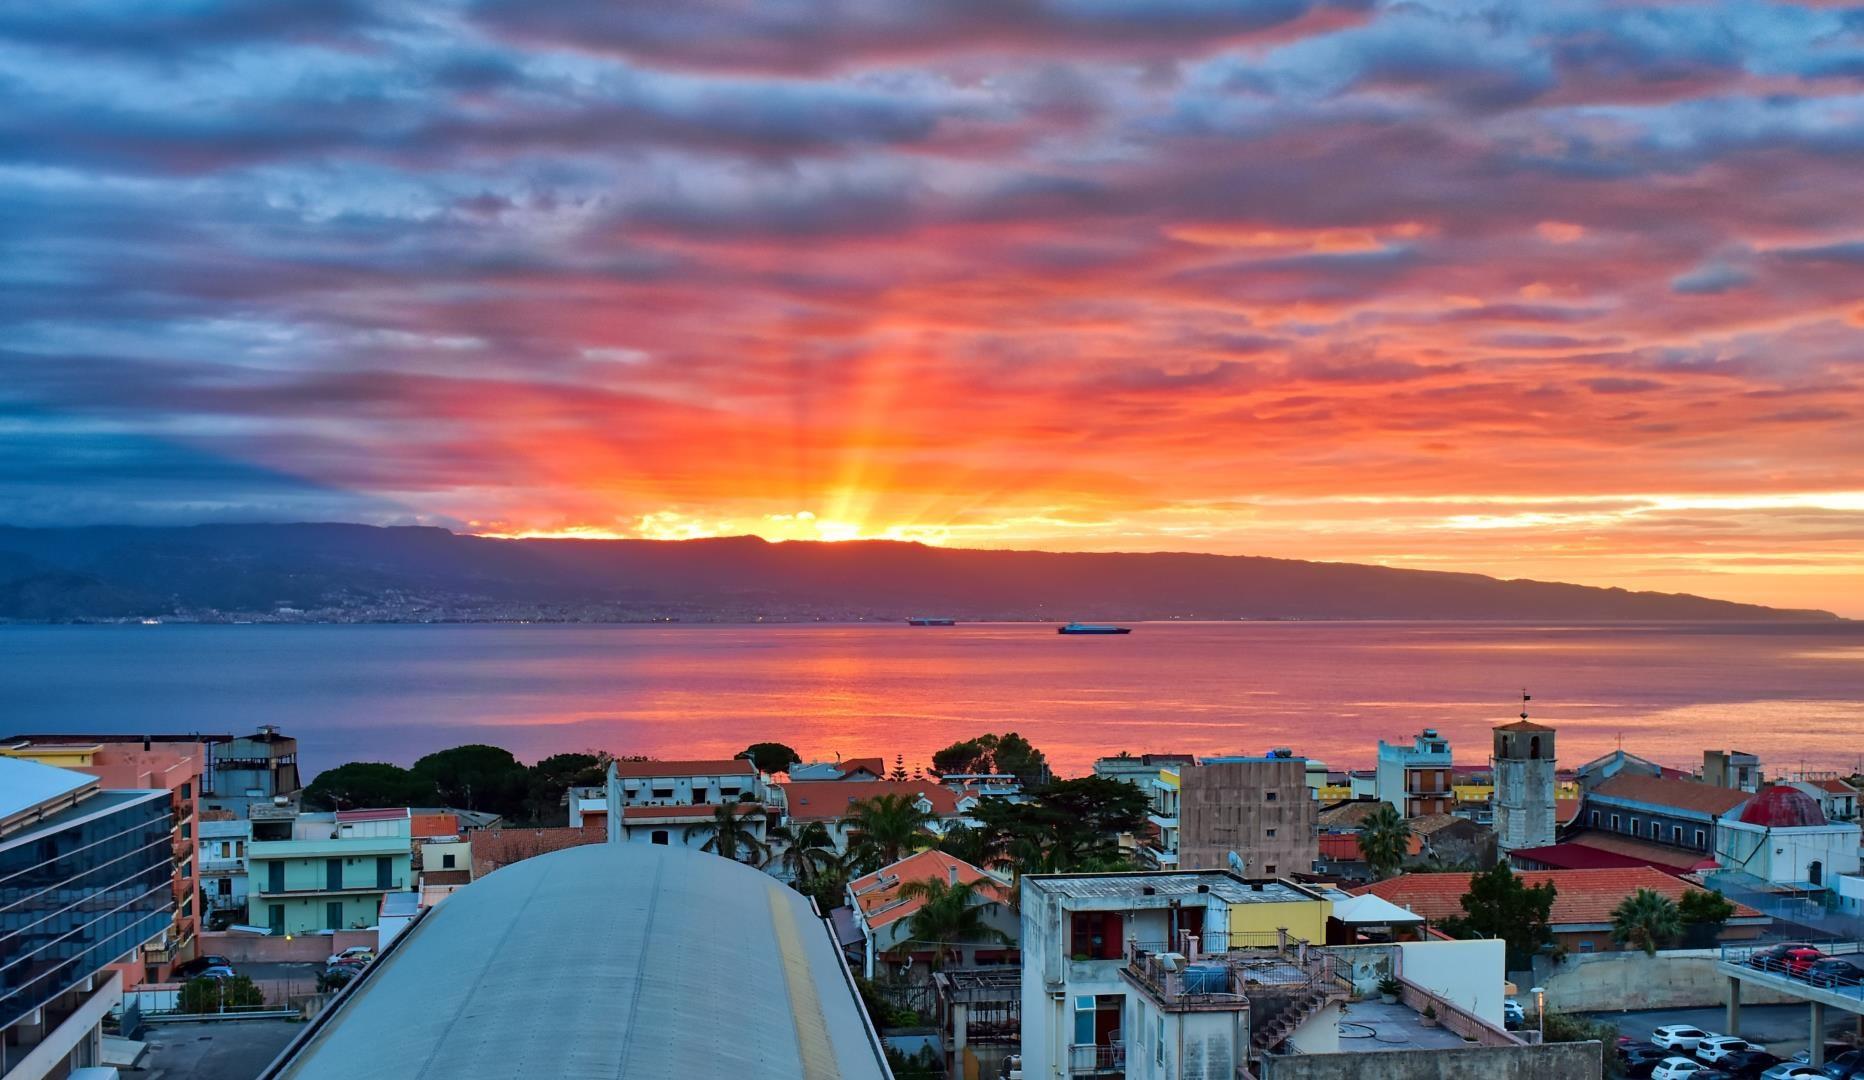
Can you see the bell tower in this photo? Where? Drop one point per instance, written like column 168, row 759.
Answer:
column 1523, row 767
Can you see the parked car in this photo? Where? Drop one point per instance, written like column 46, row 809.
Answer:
column 194, row 967
column 1835, row 971
column 354, row 952
column 1792, row 1070
column 1680, row 1037
column 1747, row 1064
column 1713, row 1050
column 1774, row 957
column 1682, row 1068
column 1846, row 1066
column 1639, row 1060
column 218, row 971
column 1512, row 1014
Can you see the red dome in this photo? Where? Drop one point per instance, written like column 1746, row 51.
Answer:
column 1783, row 807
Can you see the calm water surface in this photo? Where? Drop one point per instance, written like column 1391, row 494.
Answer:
column 1791, row 694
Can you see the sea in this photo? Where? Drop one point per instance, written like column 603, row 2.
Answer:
column 1793, row 694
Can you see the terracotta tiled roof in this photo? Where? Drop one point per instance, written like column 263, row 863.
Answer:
column 396, row 813
column 1426, row 824
column 877, row 893
column 1565, row 810
column 1581, row 897
column 1348, row 815
column 1674, row 860
column 643, row 770
column 875, row 765
column 493, row 848
column 1688, row 795
column 434, row 824
column 1836, row 787
column 827, row 800
column 445, row 877
column 1574, row 857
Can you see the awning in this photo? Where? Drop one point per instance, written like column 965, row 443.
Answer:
column 1370, row 910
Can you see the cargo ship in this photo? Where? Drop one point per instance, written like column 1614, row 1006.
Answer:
column 931, row 622
column 1092, row 628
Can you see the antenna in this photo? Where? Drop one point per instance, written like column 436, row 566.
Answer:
column 1525, row 698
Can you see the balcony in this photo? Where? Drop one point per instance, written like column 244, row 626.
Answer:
column 264, row 812
column 1163, row 820
column 1097, row 1059
column 222, row 866
column 1158, row 858
column 263, row 891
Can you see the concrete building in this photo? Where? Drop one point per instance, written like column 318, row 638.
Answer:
column 86, row 881
column 1416, row 779
column 854, row 769
column 328, row 871
column 1782, row 837
column 1260, row 808
column 694, row 786
column 1680, row 814
column 1732, row 769
column 1081, row 931
column 884, row 917
column 608, row 960
column 249, row 770
column 1158, row 850
column 176, row 764
column 1523, row 766
column 1139, row 769
column 224, row 843
column 1838, row 799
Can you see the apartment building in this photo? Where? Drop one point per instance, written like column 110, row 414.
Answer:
column 327, row 871
column 1419, row 778
column 1260, row 809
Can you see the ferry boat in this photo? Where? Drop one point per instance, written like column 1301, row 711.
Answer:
column 922, row 621
column 1092, row 628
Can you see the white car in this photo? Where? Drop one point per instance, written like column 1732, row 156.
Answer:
column 1513, row 1013
column 1716, row 1047
column 1680, row 1037
column 1677, row 1068
column 354, row 952
column 1792, row 1070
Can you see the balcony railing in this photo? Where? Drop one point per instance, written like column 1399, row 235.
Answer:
column 222, row 866
column 264, row 890
column 1097, row 1059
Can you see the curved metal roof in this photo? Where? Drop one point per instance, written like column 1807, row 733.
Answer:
column 610, row 960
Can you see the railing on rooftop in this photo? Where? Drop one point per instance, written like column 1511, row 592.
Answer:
column 1091, row 1059
column 1200, row 974
column 1801, row 969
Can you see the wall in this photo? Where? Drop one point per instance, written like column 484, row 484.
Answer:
column 1468, row 974
column 1306, row 920
column 310, row 916
column 264, row 949
column 1631, row 980
column 1555, row 1061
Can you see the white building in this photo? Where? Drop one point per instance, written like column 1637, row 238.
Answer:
column 672, row 783
column 1416, row 779
column 1838, row 799
column 853, row 769
column 1782, row 836
column 884, row 917
column 223, row 870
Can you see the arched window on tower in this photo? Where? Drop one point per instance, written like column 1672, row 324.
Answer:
column 1533, row 748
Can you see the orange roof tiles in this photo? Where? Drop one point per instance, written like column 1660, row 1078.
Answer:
column 493, row 848
column 654, row 813
column 643, row 770
column 1688, row 795
column 422, row 825
column 875, row 765
column 877, row 894
column 1836, row 787
column 1565, row 810
column 1581, row 897
column 826, row 800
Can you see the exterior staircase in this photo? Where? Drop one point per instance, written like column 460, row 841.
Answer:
column 1315, row 997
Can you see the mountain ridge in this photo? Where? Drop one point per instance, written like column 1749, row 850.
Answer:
column 334, row 571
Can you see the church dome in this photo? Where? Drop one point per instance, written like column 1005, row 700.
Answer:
column 1782, row 807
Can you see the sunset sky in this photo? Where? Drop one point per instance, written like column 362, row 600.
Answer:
column 1569, row 290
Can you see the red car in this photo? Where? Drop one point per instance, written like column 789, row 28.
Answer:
column 1789, row 958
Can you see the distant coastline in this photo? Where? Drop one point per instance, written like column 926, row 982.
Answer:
column 340, row 573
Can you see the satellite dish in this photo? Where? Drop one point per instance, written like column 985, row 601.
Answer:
column 1237, row 864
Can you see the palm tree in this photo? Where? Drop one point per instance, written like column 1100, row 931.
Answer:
column 883, row 829
column 1646, row 919
column 808, row 852
column 1384, row 836
column 951, row 914
column 729, row 835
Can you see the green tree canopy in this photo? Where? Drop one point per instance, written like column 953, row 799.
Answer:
column 949, row 915
column 477, row 777
column 1008, row 754
column 729, row 833
column 1499, row 905
column 219, row 995
column 884, row 829
column 1703, row 907
column 365, row 784
column 770, row 757
column 554, row 776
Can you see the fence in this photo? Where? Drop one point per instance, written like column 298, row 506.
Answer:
column 1844, row 979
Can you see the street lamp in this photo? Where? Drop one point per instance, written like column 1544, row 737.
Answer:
column 1540, row 1007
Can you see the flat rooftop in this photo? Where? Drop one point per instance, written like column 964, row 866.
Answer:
column 1225, row 886
column 1373, row 1026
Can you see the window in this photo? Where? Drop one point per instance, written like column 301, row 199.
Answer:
column 1585, row 946
column 1595, row 817
column 1084, row 1020
column 447, row 861
column 1270, row 796
column 1271, row 834
column 660, row 837
column 333, row 915
column 1615, row 826
column 1270, row 868
column 663, row 793
column 1158, row 1050
column 1700, row 841
column 1095, row 935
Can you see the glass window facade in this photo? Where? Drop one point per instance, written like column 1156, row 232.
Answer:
column 80, row 890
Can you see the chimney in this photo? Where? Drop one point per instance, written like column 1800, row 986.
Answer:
column 951, row 874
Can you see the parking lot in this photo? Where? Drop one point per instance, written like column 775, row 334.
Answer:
column 1783, row 1029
